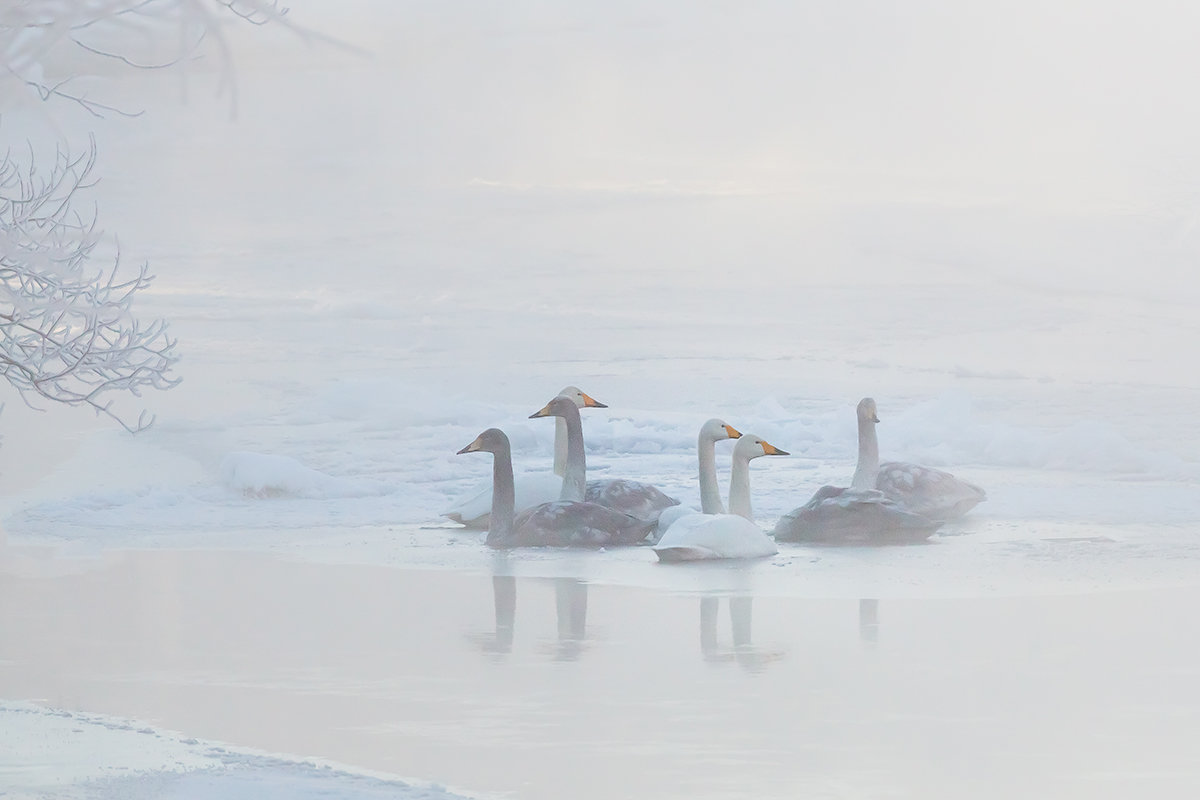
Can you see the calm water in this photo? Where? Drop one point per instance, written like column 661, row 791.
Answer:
column 549, row 687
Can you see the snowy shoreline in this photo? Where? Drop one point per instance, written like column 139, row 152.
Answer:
column 54, row 753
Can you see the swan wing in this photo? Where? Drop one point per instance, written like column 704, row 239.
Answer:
column 853, row 516
column 565, row 523
column 927, row 491
column 631, row 497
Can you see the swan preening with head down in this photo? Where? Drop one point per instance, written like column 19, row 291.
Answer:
column 715, row 534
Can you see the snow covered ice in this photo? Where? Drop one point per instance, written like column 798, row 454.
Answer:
column 684, row 212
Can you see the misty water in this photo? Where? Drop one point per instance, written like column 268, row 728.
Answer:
column 761, row 215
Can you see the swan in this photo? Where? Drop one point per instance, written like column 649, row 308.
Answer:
column 530, row 489
column 860, row 514
column 923, row 490
column 635, row 498
column 734, row 535
column 711, row 432
column 562, row 523
column 837, row 515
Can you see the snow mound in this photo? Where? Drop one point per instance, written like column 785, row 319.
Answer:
column 266, row 475
column 73, row 755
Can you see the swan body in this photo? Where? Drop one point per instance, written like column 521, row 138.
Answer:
column 735, row 535
column 837, row 515
column 923, row 490
column 630, row 497
column 531, row 489
column 569, row 523
column 928, row 491
column 561, row 523
column 698, row 537
column 860, row 514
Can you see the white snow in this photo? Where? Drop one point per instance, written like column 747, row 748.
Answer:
column 70, row 755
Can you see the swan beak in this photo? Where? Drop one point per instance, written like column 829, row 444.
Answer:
column 471, row 448
column 772, row 450
column 591, row 402
column 875, row 418
column 544, row 412
column 732, row 432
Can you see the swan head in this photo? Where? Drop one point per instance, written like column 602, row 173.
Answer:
column 866, row 410
column 493, row 440
column 558, row 407
column 750, row 446
column 718, row 429
column 581, row 398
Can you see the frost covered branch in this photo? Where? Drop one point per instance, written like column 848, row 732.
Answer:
column 40, row 37
column 66, row 330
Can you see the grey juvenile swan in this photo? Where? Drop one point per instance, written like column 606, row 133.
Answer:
column 923, row 490
column 839, row 515
column 562, row 523
column 530, row 489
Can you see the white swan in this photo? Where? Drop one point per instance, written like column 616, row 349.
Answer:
column 734, row 535
column 562, row 523
column 711, row 432
column 530, row 489
column 923, row 490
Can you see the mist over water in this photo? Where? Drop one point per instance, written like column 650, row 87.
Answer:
column 984, row 218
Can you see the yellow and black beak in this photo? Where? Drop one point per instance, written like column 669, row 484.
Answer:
column 772, row 450
column 543, row 412
column 591, row 402
column 732, row 432
column 473, row 447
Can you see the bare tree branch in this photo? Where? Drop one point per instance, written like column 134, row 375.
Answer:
column 67, row 333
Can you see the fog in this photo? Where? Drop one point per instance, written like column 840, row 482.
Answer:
column 409, row 222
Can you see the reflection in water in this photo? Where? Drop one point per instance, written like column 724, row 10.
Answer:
column 868, row 621
column 504, row 594
column 570, row 595
column 743, row 651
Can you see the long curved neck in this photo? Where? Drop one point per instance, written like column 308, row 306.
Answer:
column 560, row 446
column 739, row 488
column 500, row 526
column 575, row 475
column 710, row 493
column 867, row 470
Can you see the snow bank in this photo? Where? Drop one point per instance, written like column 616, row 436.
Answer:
column 48, row 753
column 264, row 475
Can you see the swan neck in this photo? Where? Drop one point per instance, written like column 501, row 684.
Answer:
column 710, row 492
column 575, row 474
column 867, row 471
column 500, row 526
column 560, row 447
column 739, row 489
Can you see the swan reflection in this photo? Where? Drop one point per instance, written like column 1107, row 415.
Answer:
column 743, row 651
column 868, row 621
column 570, row 604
